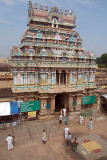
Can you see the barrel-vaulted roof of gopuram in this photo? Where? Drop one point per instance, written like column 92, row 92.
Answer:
column 35, row 13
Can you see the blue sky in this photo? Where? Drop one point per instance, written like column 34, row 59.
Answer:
column 91, row 20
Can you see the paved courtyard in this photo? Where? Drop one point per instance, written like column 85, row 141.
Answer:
column 28, row 145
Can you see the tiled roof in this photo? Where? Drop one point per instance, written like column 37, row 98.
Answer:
column 40, row 13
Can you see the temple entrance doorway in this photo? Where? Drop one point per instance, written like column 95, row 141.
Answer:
column 61, row 101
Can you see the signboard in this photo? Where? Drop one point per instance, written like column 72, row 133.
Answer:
column 29, row 106
column 31, row 114
column 88, row 99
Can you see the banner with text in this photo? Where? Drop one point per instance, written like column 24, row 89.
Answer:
column 29, row 106
column 88, row 99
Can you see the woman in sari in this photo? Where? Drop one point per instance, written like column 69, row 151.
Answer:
column 67, row 120
column 75, row 143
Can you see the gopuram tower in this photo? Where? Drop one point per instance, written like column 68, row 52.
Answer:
column 51, row 65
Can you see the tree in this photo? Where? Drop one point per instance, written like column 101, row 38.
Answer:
column 102, row 61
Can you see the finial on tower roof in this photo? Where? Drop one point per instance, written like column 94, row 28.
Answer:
column 66, row 12
column 46, row 8
column 61, row 11
column 41, row 7
column 35, row 7
column 54, row 9
column 70, row 12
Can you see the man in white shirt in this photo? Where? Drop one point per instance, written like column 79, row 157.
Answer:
column 60, row 118
column 9, row 141
column 66, row 132
column 81, row 119
column 64, row 112
column 69, row 138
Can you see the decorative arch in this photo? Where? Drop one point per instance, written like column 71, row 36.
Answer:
column 57, row 15
column 72, row 40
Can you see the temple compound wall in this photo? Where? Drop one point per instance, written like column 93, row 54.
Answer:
column 51, row 65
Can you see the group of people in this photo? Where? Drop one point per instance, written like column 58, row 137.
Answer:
column 9, row 140
column 68, row 139
column 63, row 114
column 90, row 125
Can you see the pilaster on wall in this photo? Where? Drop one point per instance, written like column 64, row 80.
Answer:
column 52, row 104
column 43, row 106
column 79, row 102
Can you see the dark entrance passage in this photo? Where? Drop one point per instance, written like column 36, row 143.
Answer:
column 61, row 101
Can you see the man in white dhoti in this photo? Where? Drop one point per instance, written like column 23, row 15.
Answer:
column 81, row 119
column 60, row 118
column 64, row 112
column 69, row 138
column 66, row 132
column 9, row 141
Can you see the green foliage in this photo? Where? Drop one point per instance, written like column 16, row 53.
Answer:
column 102, row 61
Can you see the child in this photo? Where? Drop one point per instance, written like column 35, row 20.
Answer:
column 44, row 137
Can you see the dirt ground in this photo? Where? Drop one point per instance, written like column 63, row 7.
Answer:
column 28, row 144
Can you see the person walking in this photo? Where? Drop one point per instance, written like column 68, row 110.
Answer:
column 61, row 111
column 64, row 112
column 66, row 132
column 75, row 143
column 9, row 141
column 66, row 120
column 44, row 137
column 91, row 126
column 69, row 138
column 81, row 119
column 60, row 118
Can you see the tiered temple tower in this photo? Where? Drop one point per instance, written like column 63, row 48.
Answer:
column 50, row 65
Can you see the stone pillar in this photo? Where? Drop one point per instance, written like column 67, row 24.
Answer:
column 59, row 78
column 33, row 80
column 15, row 77
column 28, row 77
column 63, row 78
column 66, row 77
column 78, row 78
column 41, row 81
column 36, row 77
column 46, row 75
column 52, row 104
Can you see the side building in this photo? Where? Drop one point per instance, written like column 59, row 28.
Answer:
column 51, row 65
column 101, row 82
column 6, row 79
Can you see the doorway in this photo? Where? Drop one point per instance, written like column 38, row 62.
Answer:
column 61, row 101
